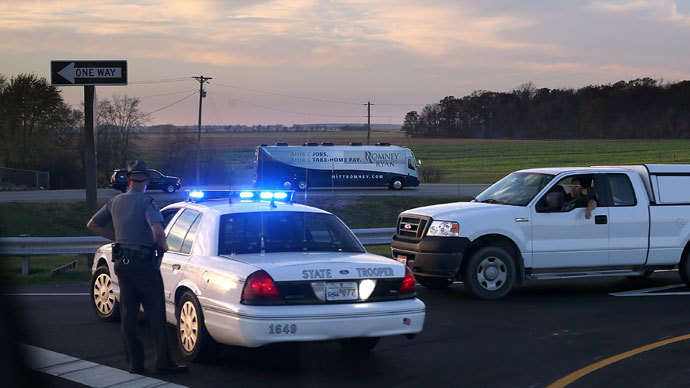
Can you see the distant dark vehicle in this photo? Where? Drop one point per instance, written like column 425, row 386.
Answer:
column 168, row 184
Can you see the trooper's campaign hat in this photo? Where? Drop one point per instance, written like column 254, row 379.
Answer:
column 137, row 167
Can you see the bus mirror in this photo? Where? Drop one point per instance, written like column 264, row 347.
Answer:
column 419, row 162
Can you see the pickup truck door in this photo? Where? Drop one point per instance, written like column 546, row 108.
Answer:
column 568, row 239
column 628, row 220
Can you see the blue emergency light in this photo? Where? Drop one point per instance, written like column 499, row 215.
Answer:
column 242, row 195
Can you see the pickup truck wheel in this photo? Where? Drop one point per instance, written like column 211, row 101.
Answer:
column 286, row 184
column 489, row 273
column 302, row 185
column 169, row 188
column 434, row 283
column 684, row 269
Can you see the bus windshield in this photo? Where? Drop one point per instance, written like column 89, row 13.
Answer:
column 516, row 189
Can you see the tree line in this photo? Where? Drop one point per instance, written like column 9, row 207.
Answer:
column 39, row 131
column 636, row 109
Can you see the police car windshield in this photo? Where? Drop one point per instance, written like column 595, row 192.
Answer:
column 284, row 232
column 516, row 189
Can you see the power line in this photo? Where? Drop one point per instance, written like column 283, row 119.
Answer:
column 160, row 81
column 176, row 102
column 170, row 94
column 285, row 95
column 283, row 110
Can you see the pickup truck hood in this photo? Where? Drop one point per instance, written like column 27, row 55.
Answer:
column 300, row 266
column 451, row 211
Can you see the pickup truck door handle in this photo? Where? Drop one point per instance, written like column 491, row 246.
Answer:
column 600, row 219
column 175, row 266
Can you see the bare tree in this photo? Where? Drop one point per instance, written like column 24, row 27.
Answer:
column 120, row 120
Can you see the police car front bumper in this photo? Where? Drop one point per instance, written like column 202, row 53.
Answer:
column 254, row 326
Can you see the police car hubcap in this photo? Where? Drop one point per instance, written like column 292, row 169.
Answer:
column 189, row 326
column 103, row 295
column 491, row 273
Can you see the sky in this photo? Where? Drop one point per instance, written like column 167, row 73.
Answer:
column 319, row 61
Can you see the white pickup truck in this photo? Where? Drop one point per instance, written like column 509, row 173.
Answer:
column 512, row 232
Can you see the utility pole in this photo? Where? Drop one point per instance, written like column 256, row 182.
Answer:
column 368, row 104
column 202, row 94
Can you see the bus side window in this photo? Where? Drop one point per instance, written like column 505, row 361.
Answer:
column 410, row 164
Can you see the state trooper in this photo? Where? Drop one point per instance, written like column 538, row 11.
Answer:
column 137, row 252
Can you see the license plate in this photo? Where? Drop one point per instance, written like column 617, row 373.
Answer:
column 341, row 291
column 402, row 259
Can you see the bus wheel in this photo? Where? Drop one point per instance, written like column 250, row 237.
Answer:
column 302, row 185
column 396, row 184
column 286, row 184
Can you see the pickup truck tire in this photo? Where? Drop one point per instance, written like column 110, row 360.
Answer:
column 489, row 273
column 169, row 188
column 434, row 283
column 684, row 269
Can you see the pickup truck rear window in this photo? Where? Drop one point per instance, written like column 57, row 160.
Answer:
column 516, row 189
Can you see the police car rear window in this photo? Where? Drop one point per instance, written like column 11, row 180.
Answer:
column 284, row 232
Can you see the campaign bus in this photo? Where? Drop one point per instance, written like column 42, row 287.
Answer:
column 311, row 165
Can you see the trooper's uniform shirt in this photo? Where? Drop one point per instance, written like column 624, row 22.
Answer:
column 133, row 213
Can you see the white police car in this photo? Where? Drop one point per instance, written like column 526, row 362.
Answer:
column 255, row 269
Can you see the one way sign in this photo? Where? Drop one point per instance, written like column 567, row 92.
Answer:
column 86, row 73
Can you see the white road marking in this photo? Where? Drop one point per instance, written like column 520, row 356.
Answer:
column 50, row 294
column 653, row 291
column 86, row 372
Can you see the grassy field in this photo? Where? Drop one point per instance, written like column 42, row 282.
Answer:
column 41, row 268
column 460, row 160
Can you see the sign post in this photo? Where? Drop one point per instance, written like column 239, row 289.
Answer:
column 89, row 74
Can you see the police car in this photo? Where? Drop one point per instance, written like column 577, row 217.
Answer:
column 254, row 268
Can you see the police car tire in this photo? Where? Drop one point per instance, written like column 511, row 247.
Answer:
column 489, row 273
column 359, row 344
column 397, row 186
column 434, row 283
column 169, row 189
column 204, row 346
column 684, row 269
column 113, row 314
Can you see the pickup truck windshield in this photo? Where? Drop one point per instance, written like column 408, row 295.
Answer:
column 516, row 189
column 284, row 232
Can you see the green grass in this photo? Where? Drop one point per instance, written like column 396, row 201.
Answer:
column 41, row 268
column 383, row 250
column 374, row 211
column 486, row 163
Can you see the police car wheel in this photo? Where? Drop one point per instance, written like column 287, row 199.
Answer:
column 194, row 341
column 396, row 184
column 169, row 189
column 103, row 300
column 434, row 283
column 360, row 344
column 489, row 273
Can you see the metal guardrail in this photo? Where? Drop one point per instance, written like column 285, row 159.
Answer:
column 26, row 247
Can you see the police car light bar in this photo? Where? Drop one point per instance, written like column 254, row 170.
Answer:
column 243, row 195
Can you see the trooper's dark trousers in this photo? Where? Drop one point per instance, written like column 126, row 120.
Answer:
column 141, row 283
